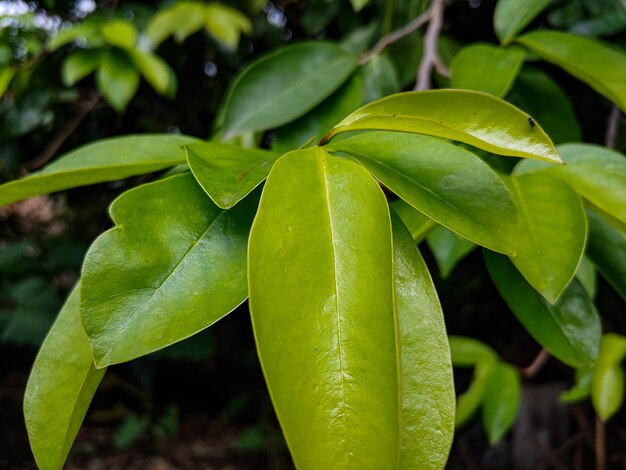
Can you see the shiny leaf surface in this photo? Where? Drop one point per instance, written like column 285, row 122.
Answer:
column 174, row 264
column 104, row 160
column 512, row 16
column 472, row 117
column 501, row 401
column 447, row 183
column 60, row 388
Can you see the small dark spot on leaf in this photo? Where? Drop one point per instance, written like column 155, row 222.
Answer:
column 531, row 122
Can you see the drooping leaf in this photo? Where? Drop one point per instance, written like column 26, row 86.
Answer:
column 426, row 381
column 226, row 24
column 104, row 160
column 448, row 249
column 181, row 19
column 472, row 117
column 417, row 223
column 486, row 68
column 540, row 96
column 467, row 352
column 447, row 183
column 468, row 402
column 80, row 64
column 228, row 173
column 119, row 33
column 501, row 401
column 607, row 250
column 174, row 264
column 154, row 69
column 321, row 274
column 60, row 388
column 263, row 96
column 601, row 66
column 569, row 330
column 552, row 232
column 117, row 79
column 88, row 31
column 512, row 16
column 607, row 392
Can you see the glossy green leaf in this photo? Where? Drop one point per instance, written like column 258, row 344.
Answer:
column 181, row 19
column 80, row 64
column 601, row 66
column 417, row 223
column 448, row 249
column 569, row 330
column 486, row 68
column 60, row 388
column 226, row 24
column 552, row 232
column 540, row 96
column 512, row 16
column 321, row 119
column 154, row 69
column 228, row 173
column 598, row 174
column 104, row 160
column 472, row 117
column 467, row 352
column 321, row 274
column 607, row 392
column 174, row 264
column 117, row 79
column 468, row 402
column 426, row 382
column 263, row 96
column 380, row 79
column 501, row 401
column 120, row 33
column 607, row 250
column 447, row 183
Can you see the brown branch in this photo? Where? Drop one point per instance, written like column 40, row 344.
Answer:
column 538, row 362
column 610, row 139
column 55, row 144
column 600, row 444
column 430, row 58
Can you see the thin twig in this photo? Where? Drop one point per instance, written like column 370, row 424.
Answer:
column 430, row 57
column 600, row 445
column 538, row 362
column 55, row 144
column 396, row 35
column 612, row 126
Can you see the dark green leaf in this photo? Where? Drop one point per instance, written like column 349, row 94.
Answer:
column 512, row 16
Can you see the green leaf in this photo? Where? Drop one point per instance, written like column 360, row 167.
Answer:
column 468, row 403
column 581, row 390
column 6, row 75
column 226, row 24
column 552, row 232
column 512, row 16
column 104, row 160
column 468, row 352
column 448, row 249
column 486, row 68
column 472, row 117
column 180, row 19
column 417, row 223
column 607, row 392
column 380, row 79
column 501, row 401
column 332, row 375
column 80, row 64
column 447, row 183
column 120, row 33
column 88, row 31
column 117, row 79
column 60, row 388
column 357, row 5
column 596, row 173
column 263, row 96
column 540, row 96
column 426, row 381
column 173, row 265
column 322, row 118
column 154, row 69
column 228, row 173
column 601, row 66
column 569, row 330
column 607, row 250
column 586, row 275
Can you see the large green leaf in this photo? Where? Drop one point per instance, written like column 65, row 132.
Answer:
column 447, row 183
column 501, row 400
column 284, row 85
column 552, row 232
column 174, row 264
column 104, row 160
column 448, row 249
column 601, row 66
column 607, row 391
column 117, row 79
column 321, row 277
column 598, row 174
column 60, row 388
column 511, row 16
column 426, row 382
column 417, row 223
column 569, row 330
column 228, row 173
column 607, row 250
column 486, row 68
column 472, row 117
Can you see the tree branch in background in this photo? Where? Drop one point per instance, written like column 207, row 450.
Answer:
column 55, row 144
column 431, row 58
column 612, row 126
column 538, row 362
